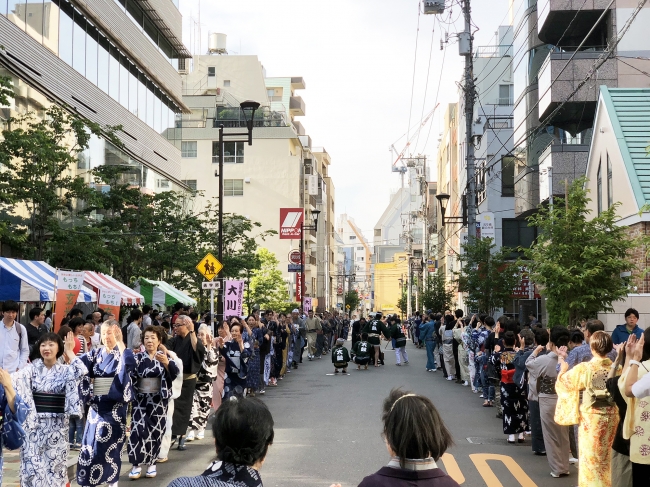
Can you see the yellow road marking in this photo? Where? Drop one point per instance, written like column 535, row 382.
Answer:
column 480, row 461
column 452, row 468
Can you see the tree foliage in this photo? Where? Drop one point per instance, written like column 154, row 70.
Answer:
column 352, row 299
column 437, row 297
column 577, row 260
column 486, row 275
column 267, row 287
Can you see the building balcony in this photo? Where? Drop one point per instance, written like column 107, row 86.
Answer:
column 555, row 16
column 232, row 117
column 297, row 106
column 526, row 190
column 557, row 81
column 568, row 161
column 493, row 51
column 297, row 83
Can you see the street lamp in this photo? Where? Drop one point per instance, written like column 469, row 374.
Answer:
column 443, row 199
column 248, row 109
column 303, row 227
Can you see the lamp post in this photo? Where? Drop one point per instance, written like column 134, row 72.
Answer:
column 443, row 199
column 248, row 108
column 303, row 227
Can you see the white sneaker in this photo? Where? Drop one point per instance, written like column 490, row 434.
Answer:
column 465, row 383
column 450, row 377
column 200, row 435
column 573, row 460
column 190, row 436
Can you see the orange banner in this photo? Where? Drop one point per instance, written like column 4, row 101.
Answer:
column 65, row 301
column 112, row 309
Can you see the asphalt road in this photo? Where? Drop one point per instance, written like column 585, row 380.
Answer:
column 327, row 429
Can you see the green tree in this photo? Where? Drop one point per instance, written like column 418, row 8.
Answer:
column 352, row 299
column 577, row 261
column 436, row 296
column 267, row 287
column 486, row 275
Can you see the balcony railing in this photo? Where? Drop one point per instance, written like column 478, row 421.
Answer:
column 234, row 117
column 493, row 51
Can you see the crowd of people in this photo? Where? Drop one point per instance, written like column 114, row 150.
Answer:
column 144, row 384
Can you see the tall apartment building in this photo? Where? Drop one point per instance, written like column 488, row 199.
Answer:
column 272, row 173
column 357, row 265
column 110, row 61
column 553, row 58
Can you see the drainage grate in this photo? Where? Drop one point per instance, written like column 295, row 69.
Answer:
column 476, row 440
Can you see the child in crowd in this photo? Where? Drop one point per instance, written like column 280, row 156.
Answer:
column 362, row 352
column 340, row 357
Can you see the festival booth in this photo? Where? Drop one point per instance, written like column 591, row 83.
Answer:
column 159, row 293
column 33, row 281
column 99, row 281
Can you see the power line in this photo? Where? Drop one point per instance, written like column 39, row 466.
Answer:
column 442, row 70
column 415, row 59
column 426, row 85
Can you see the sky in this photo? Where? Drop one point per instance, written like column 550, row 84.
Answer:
column 363, row 78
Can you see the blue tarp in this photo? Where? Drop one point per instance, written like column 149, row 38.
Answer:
column 32, row 280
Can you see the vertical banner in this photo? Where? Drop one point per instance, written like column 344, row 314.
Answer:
column 298, row 287
column 68, row 287
column 110, row 300
column 233, row 296
column 307, row 304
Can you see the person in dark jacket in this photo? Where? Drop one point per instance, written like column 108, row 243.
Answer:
column 622, row 332
column 414, row 450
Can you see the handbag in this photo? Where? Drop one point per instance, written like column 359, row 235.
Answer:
column 13, row 434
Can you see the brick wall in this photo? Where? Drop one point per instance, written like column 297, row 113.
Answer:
column 639, row 258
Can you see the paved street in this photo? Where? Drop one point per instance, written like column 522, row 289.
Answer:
column 327, row 429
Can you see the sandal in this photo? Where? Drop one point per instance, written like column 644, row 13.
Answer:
column 487, row 404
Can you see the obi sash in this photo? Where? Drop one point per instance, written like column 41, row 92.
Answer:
column 546, row 385
column 49, row 403
column 507, row 376
column 101, row 385
column 149, row 385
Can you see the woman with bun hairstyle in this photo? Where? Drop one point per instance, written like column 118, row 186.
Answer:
column 243, row 432
column 415, row 438
column 514, row 398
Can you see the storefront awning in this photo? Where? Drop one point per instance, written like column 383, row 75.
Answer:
column 97, row 281
column 32, row 280
column 160, row 293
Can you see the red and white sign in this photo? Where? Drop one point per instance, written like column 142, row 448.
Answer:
column 291, row 223
column 294, row 257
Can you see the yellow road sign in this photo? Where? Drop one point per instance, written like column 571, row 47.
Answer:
column 209, row 267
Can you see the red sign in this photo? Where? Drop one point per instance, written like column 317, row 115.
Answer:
column 291, row 223
column 294, row 257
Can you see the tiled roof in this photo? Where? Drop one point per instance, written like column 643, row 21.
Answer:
column 629, row 112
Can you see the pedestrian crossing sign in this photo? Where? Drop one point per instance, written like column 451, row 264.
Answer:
column 209, row 267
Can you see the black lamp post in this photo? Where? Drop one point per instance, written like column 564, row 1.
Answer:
column 443, row 199
column 248, row 108
column 303, row 227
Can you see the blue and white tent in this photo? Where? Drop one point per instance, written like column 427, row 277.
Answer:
column 32, row 280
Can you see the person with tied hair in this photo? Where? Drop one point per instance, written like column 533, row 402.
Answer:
column 415, row 438
column 243, row 432
column 597, row 416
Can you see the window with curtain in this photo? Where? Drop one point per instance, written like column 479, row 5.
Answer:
column 233, row 187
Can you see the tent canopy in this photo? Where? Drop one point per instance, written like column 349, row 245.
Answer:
column 161, row 293
column 32, row 280
column 98, row 281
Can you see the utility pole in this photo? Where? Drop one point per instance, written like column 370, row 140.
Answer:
column 465, row 42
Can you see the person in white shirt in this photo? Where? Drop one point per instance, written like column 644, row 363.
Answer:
column 93, row 340
column 146, row 316
column 14, row 342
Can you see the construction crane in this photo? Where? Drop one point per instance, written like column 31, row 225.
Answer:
column 398, row 164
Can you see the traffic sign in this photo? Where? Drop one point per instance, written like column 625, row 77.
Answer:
column 347, row 306
column 209, row 267
column 294, row 257
column 295, row 268
column 211, row 285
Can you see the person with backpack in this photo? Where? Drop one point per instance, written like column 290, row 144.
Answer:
column 597, row 416
column 14, row 341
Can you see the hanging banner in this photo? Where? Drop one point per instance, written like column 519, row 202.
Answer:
column 298, row 287
column 307, row 304
column 233, row 296
column 68, row 287
column 110, row 300
column 486, row 224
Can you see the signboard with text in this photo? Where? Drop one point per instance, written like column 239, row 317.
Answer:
column 233, row 298
column 110, row 300
column 291, row 220
column 486, row 225
column 307, row 304
column 68, row 287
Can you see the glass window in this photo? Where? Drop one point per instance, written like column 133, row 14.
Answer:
column 103, row 60
column 233, row 187
column 133, row 90
column 91, row 53
column 151, row 31
column 79, row 44
column 599, row 190
column 516, row 233
column 165, row 47
column 610, row 185
column 34, row 19
column 150, row 89
column 50, row 26
column 188, row 148
column 157, row 113
column 507, row 176
column 233, row 152
column 142, row 97
column 114, row 74
column 134, row 11
column 124, row 82
column 65, row 34
column 191, row 183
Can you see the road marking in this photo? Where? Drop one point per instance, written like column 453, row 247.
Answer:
column 481, row 462
column 452, row 468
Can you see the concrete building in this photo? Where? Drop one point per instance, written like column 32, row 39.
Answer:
column 617, row 172
column 111, row 62
column 557, row 66
column 391, row 274
column 357, row 263
column 273, row 173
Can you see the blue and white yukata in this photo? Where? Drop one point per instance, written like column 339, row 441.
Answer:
column 103, row 440
column 236, row 369
column 149, row 415
column 52, row 395
column 7, row 415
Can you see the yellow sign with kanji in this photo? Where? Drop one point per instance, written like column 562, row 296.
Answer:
column 209, row 267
